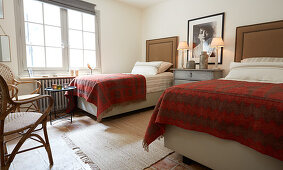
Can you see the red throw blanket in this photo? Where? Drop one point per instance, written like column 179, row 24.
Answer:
column 250, row 113
column 105, row 90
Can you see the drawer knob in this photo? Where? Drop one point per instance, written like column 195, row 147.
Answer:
column 191, row 74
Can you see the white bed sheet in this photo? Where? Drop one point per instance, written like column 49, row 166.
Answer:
column 159, row 82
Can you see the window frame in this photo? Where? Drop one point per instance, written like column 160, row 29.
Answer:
column 82, row 31
column 21, row 43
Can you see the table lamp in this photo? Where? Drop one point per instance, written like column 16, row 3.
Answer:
column 183, row 46
column 217, row 43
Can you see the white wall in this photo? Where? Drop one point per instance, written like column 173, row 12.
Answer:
column 8, row 24
column 120, row 35
column 170, row 18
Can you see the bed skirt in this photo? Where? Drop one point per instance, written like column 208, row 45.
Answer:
column 217, row 153
column 151, row 100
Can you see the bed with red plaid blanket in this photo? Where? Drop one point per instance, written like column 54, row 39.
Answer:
column 106, row 90
column 250, row 113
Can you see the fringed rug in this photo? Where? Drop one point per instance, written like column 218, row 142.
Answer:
column 116, row 143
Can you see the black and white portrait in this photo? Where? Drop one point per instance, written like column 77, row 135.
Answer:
column 201, row 31
column 202, row 37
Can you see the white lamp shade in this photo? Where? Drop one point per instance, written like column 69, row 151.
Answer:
column 183, row 45
column 217, row 42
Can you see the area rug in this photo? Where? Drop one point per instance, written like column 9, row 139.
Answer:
column 116, row 143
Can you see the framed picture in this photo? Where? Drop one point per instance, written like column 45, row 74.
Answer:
column 201, row 31
column 1, row 10
column 5, row 53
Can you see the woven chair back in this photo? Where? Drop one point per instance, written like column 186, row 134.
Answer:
column 7, row 73
column 5, row 99
column 1, row 101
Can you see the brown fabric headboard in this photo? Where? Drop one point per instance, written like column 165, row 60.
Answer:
column 260, row 40
column 164, row 49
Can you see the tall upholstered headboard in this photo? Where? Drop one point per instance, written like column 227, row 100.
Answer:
column 260, row 40
column 163, row 49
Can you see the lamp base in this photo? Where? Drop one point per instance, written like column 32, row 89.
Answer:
column 182, row 62
column 216, row 60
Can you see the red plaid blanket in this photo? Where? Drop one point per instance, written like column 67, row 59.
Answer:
column 250, row 113
column 105, row 90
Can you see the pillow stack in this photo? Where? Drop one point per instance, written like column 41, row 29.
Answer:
column 262, row 59
column 151, row 68
column 271, row 72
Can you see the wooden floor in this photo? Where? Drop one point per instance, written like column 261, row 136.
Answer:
column 65, row 158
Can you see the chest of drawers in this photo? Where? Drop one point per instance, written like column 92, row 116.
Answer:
column 182, row 76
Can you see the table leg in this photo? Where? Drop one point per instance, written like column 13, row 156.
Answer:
column 55, row 106
column 50, row 114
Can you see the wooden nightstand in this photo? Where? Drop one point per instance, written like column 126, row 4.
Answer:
column 182, row 76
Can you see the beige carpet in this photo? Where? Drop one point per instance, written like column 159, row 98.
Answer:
column 116, row 143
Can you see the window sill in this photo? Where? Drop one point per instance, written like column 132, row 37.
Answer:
column 54, row 75
column 45, row 77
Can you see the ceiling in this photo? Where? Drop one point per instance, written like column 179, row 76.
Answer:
column 141, row 3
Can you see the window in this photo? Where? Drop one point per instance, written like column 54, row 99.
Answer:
column 42, row 35
column 57, row 38
column 81, row 33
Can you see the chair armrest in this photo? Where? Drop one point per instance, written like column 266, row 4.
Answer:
column 22, row 82
column 34, row 99
column 14, row 90
column 36, row 91
column 50, row 103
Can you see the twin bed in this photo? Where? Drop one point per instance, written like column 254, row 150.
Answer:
column 237, row 123
column 165, row 50
column 155, row 85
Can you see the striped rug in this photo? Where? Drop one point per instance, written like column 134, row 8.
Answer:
column 116, row 143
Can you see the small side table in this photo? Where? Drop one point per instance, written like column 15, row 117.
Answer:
column 182, row 76
column 53, row 92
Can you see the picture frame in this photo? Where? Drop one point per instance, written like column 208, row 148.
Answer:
column 201, row 31
column 1, row 10
column 5, row 50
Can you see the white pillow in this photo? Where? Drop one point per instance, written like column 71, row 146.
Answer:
column 146, row 68
column 262, row 59
column 164, row 66
column 261, row 71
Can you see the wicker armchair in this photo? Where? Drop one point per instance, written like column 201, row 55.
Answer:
column 22, row 124
column 13, row 84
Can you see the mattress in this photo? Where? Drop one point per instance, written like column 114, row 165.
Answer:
column 159, row 82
